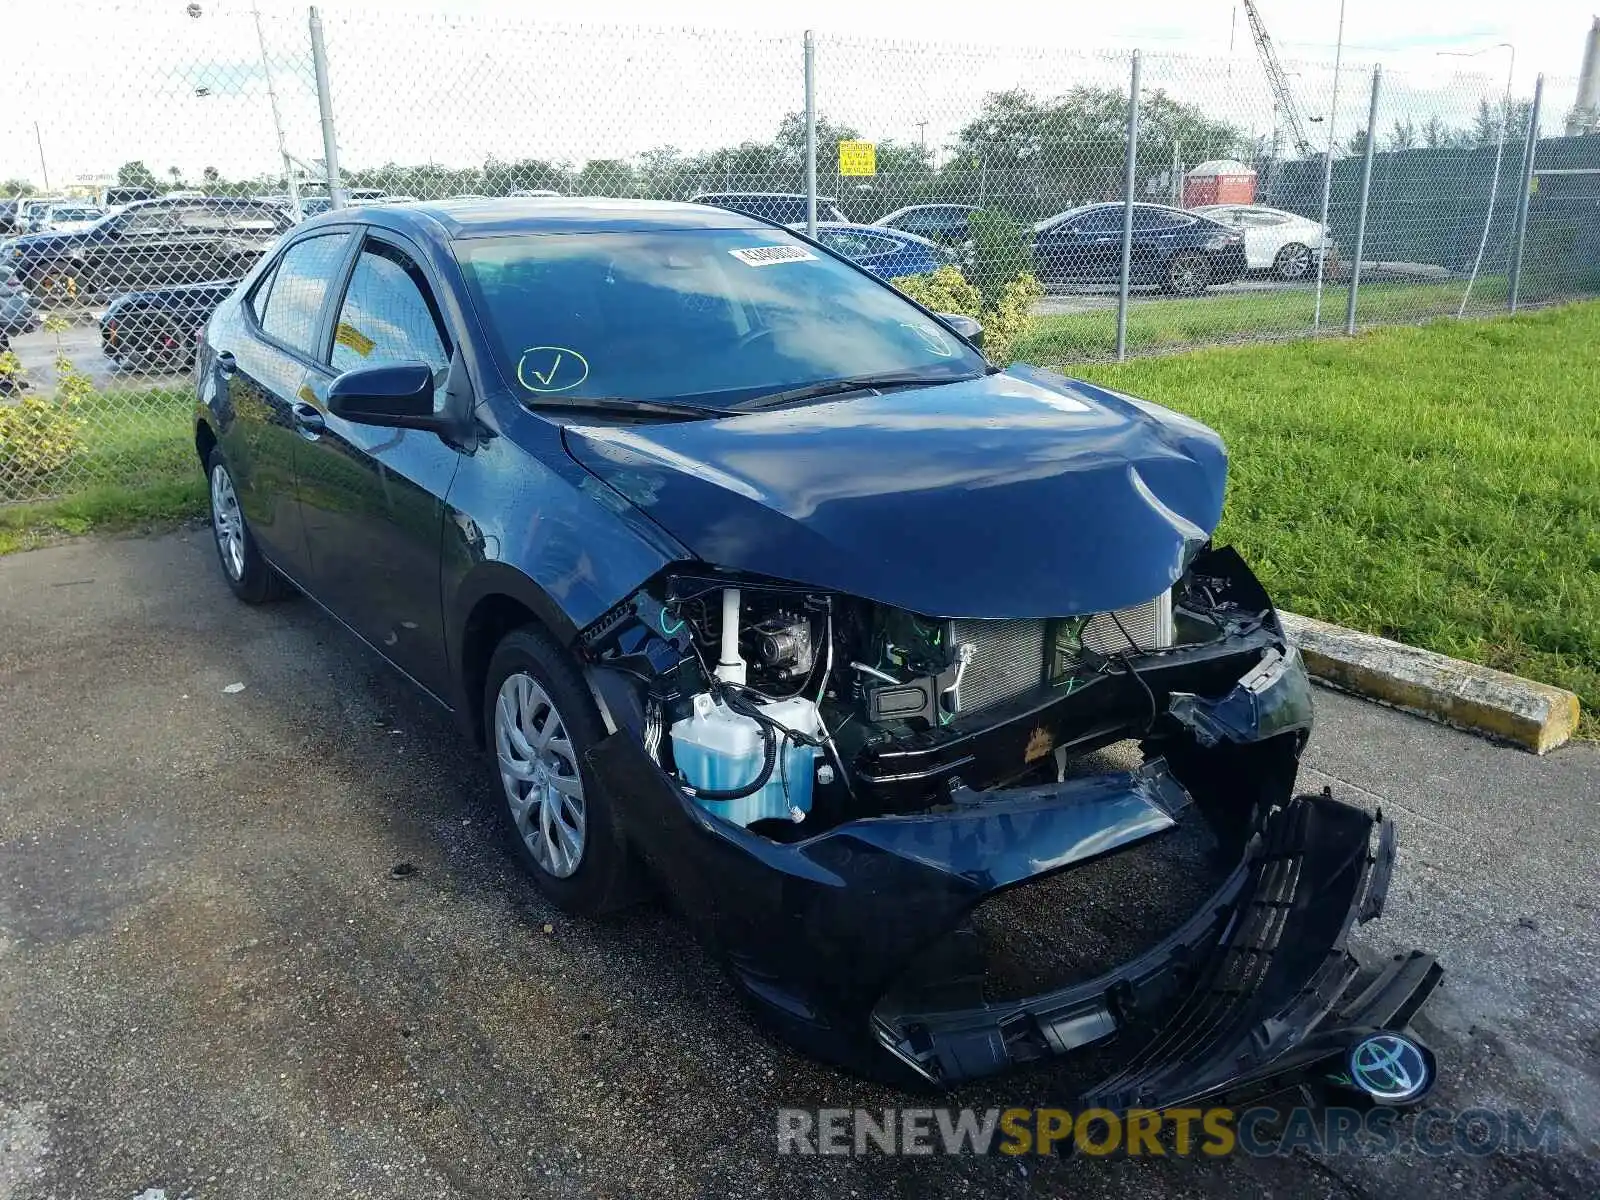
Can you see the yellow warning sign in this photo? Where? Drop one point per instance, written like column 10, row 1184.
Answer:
column 858, row 158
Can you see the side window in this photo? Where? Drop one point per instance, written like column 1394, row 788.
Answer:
column 258, row 295
column 299, row 286
column 1101, row 220
column 160, row 219
column 388, row 314
column 1157, row 218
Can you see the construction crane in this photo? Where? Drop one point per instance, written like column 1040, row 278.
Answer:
column 1279, row 81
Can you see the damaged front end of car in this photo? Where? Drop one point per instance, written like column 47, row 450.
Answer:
column 840, row 795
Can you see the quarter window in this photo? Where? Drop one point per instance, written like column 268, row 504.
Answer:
column 388, row 314
column 299, row 287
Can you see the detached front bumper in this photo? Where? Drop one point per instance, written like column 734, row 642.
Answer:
column 825, row 935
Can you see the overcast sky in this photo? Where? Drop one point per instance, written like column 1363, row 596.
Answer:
column 454, row 82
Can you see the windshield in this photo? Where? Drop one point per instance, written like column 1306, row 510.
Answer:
column 709, row 315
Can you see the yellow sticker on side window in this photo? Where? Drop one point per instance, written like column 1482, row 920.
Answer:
column 354, row 339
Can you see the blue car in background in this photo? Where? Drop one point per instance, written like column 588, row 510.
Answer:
column 887, row 253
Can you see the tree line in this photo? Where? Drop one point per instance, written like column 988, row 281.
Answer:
column 1020, row 153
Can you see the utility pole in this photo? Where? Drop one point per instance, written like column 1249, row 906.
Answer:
column 43, row 170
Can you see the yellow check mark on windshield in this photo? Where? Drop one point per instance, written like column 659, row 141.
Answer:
column 544, row 377
column 568, row 364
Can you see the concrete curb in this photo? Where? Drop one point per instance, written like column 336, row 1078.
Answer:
column 1532, row 715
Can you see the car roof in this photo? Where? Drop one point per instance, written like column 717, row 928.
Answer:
column 460, row 219
column 933, row 204
column 762, row 196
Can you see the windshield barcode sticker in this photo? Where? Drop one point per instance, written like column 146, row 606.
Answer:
column 766, row 256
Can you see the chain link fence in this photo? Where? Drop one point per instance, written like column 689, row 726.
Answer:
column 1121, row 203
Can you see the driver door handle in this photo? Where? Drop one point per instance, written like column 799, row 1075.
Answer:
column 308, row 422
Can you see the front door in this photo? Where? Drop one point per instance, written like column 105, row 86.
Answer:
column 263, row 358
column 372, row 498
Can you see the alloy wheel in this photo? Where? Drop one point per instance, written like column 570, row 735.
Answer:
column 1294, row 261
column 227, row 523
column 1187, row 274
column 539, row 769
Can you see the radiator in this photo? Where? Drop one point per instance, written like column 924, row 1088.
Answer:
column 1012, row 658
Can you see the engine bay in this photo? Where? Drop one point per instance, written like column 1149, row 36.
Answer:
column 788, row 710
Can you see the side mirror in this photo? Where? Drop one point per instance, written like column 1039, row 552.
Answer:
column 967, row 327
column 398, row 395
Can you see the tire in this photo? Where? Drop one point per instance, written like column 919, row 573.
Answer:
column 1294, row 261
column 251, row 577
column 160, row 348
column 539, row 722
column 1188, row 273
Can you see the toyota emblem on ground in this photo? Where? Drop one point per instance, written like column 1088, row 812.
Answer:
column 1391, row 1068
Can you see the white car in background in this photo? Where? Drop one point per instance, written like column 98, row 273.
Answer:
column 1284, row 243
column 68, row 218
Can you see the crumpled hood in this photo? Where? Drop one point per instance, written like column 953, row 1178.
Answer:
column 1021, row 494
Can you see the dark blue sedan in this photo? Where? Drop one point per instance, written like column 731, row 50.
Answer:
column 757, row 583
column 1180, row 252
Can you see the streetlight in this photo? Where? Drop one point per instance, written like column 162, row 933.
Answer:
column 1499, row 151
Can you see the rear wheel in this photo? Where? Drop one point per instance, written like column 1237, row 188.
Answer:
column 1188, row 273
column 251, row 577
column 1293, row 262
column 540, row 721
column 162, row 347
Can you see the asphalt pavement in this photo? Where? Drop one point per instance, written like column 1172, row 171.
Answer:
column 81, row 342
column 215, row 983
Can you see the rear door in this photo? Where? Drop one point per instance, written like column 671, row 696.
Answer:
column 1086, row 247
column 263, row 358
column 373, row 498
column 1158, row 234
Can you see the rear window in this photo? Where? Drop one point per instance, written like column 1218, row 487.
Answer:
column 717, row 315
column 299, row 287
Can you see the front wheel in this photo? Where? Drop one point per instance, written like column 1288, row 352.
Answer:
column 251, row 577
column 540, row 721
column 1293, row 262
column 1187, row 273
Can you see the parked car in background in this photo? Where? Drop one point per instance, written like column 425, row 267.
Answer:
column 942, row 223
column 786, row 208
column 8, row 214
column 152, row 243
column 887, row 253
column 1180, row 251
column 554, row 459
column 525, row 192
column 155, row 330
column 1284, row 243
column 117, row 198
column 29, row 209
column 65, row 218
column 19, row 313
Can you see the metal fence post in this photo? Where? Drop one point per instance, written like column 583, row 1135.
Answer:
column 1530, row 146
column 1127, row 211
column 1361, row 212
column 811, row 134
column 1494, row 180
column 1327, row 173
column 330, row 148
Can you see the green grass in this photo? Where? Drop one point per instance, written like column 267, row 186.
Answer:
column 1161, row 324
column 137, row 470
column 1437, row 485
